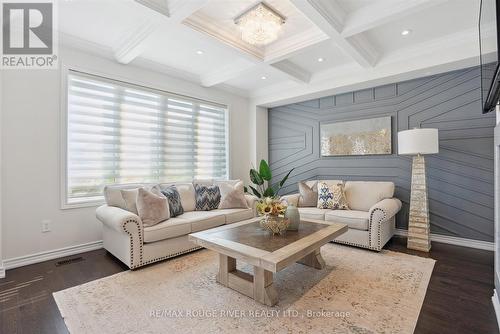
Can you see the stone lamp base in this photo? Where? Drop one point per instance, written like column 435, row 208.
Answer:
column 419, row 224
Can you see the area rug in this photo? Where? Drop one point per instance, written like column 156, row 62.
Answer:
column 358, row 292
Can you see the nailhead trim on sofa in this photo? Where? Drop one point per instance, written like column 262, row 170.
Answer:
column 141, row 261
column 124, row 226
column 377, row 247
column 383, row 219
column 171, row 255
column 356, row 245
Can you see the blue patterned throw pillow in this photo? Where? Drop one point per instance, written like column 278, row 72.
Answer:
column 332, row 196
column 174, row 200
column 207, row 197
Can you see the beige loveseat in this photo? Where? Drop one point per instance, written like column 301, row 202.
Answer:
column 371, row 220
column 125, row 237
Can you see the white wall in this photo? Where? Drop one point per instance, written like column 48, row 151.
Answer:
column 259, row 133
column 30, row 131
column 2, row 270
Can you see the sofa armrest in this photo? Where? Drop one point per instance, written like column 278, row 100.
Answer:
column 126, row 224
column 117, row 218
column 291, row 199
column 252, row 202
column 381, row 217
column 384, row 210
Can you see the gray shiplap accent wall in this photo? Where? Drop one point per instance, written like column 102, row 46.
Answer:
column 460, row 177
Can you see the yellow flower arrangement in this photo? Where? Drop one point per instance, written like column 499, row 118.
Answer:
column 270, row 206
column 272, row 211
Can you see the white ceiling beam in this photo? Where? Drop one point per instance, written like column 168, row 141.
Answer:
column 241, row 67
column 160, row 6
column 179, row 10
column 330, row 18
column 134, row 44
column 382, row 12
column 172, row 11
column 293, row 71
column 228, row 72
column 290, row 46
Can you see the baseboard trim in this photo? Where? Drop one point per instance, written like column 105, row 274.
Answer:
column 2, row 270
column 496, row 306
column 471, row 243
column 50, row 255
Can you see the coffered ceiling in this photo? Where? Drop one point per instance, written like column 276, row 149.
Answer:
column 324, row 46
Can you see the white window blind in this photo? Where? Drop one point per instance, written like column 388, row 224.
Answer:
column 121, row 133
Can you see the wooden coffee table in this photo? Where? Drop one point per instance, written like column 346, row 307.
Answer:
column 246, row 241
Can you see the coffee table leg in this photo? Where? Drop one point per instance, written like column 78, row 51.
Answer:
column 263, row 288
column 314, row 260
column 226, row 265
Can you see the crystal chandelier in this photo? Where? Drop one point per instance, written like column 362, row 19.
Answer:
column 260, row 25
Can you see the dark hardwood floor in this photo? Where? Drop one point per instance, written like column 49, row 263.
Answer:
column 458, row 299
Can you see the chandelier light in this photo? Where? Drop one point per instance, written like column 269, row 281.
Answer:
column 260, row 25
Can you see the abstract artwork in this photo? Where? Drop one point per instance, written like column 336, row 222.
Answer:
column 360, row 137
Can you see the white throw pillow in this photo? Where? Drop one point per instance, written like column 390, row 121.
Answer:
column 130, row 198
column 113, row 195
column 232, row 197
column 152, row 206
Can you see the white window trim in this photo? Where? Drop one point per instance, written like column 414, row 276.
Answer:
column 63, row 126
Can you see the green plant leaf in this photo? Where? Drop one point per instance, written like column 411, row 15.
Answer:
column 282, row 182
column 265, row 171
column 269, row 192
column 255, row 177
column 255, row 192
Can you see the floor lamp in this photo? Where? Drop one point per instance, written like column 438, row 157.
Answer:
column 418, row 142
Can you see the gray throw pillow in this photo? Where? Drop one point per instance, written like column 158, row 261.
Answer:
column 152, row 206
column 207, row 197
column 308, row 195
column 174, row 200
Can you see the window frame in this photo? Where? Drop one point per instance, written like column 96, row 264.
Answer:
column 63, row 126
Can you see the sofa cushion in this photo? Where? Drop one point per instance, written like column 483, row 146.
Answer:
column 332, row 196
column 362, row 195
column 113, row 195
column 203, row 220
column 292, row 199
column 352, row 218
column 203, row 182
column 232, row 197
column 130, row 198
column 207, row 197
column 174, row 227
column 236, row 215
column 152, row 206
column 229, row 182
column 186, row 191
column 313, row 213
column 308, row 193
column 174, row 200
column 331, row 182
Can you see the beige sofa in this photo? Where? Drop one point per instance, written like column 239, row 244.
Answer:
column 125, row 237
column 371, row 220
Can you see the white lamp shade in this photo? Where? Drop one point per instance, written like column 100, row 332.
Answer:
column 418, row 141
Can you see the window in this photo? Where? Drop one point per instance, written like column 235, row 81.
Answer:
column 122, row 133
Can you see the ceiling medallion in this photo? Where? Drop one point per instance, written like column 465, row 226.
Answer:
column 260, row 25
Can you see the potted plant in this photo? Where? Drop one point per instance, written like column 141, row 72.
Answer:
column 269, row 206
